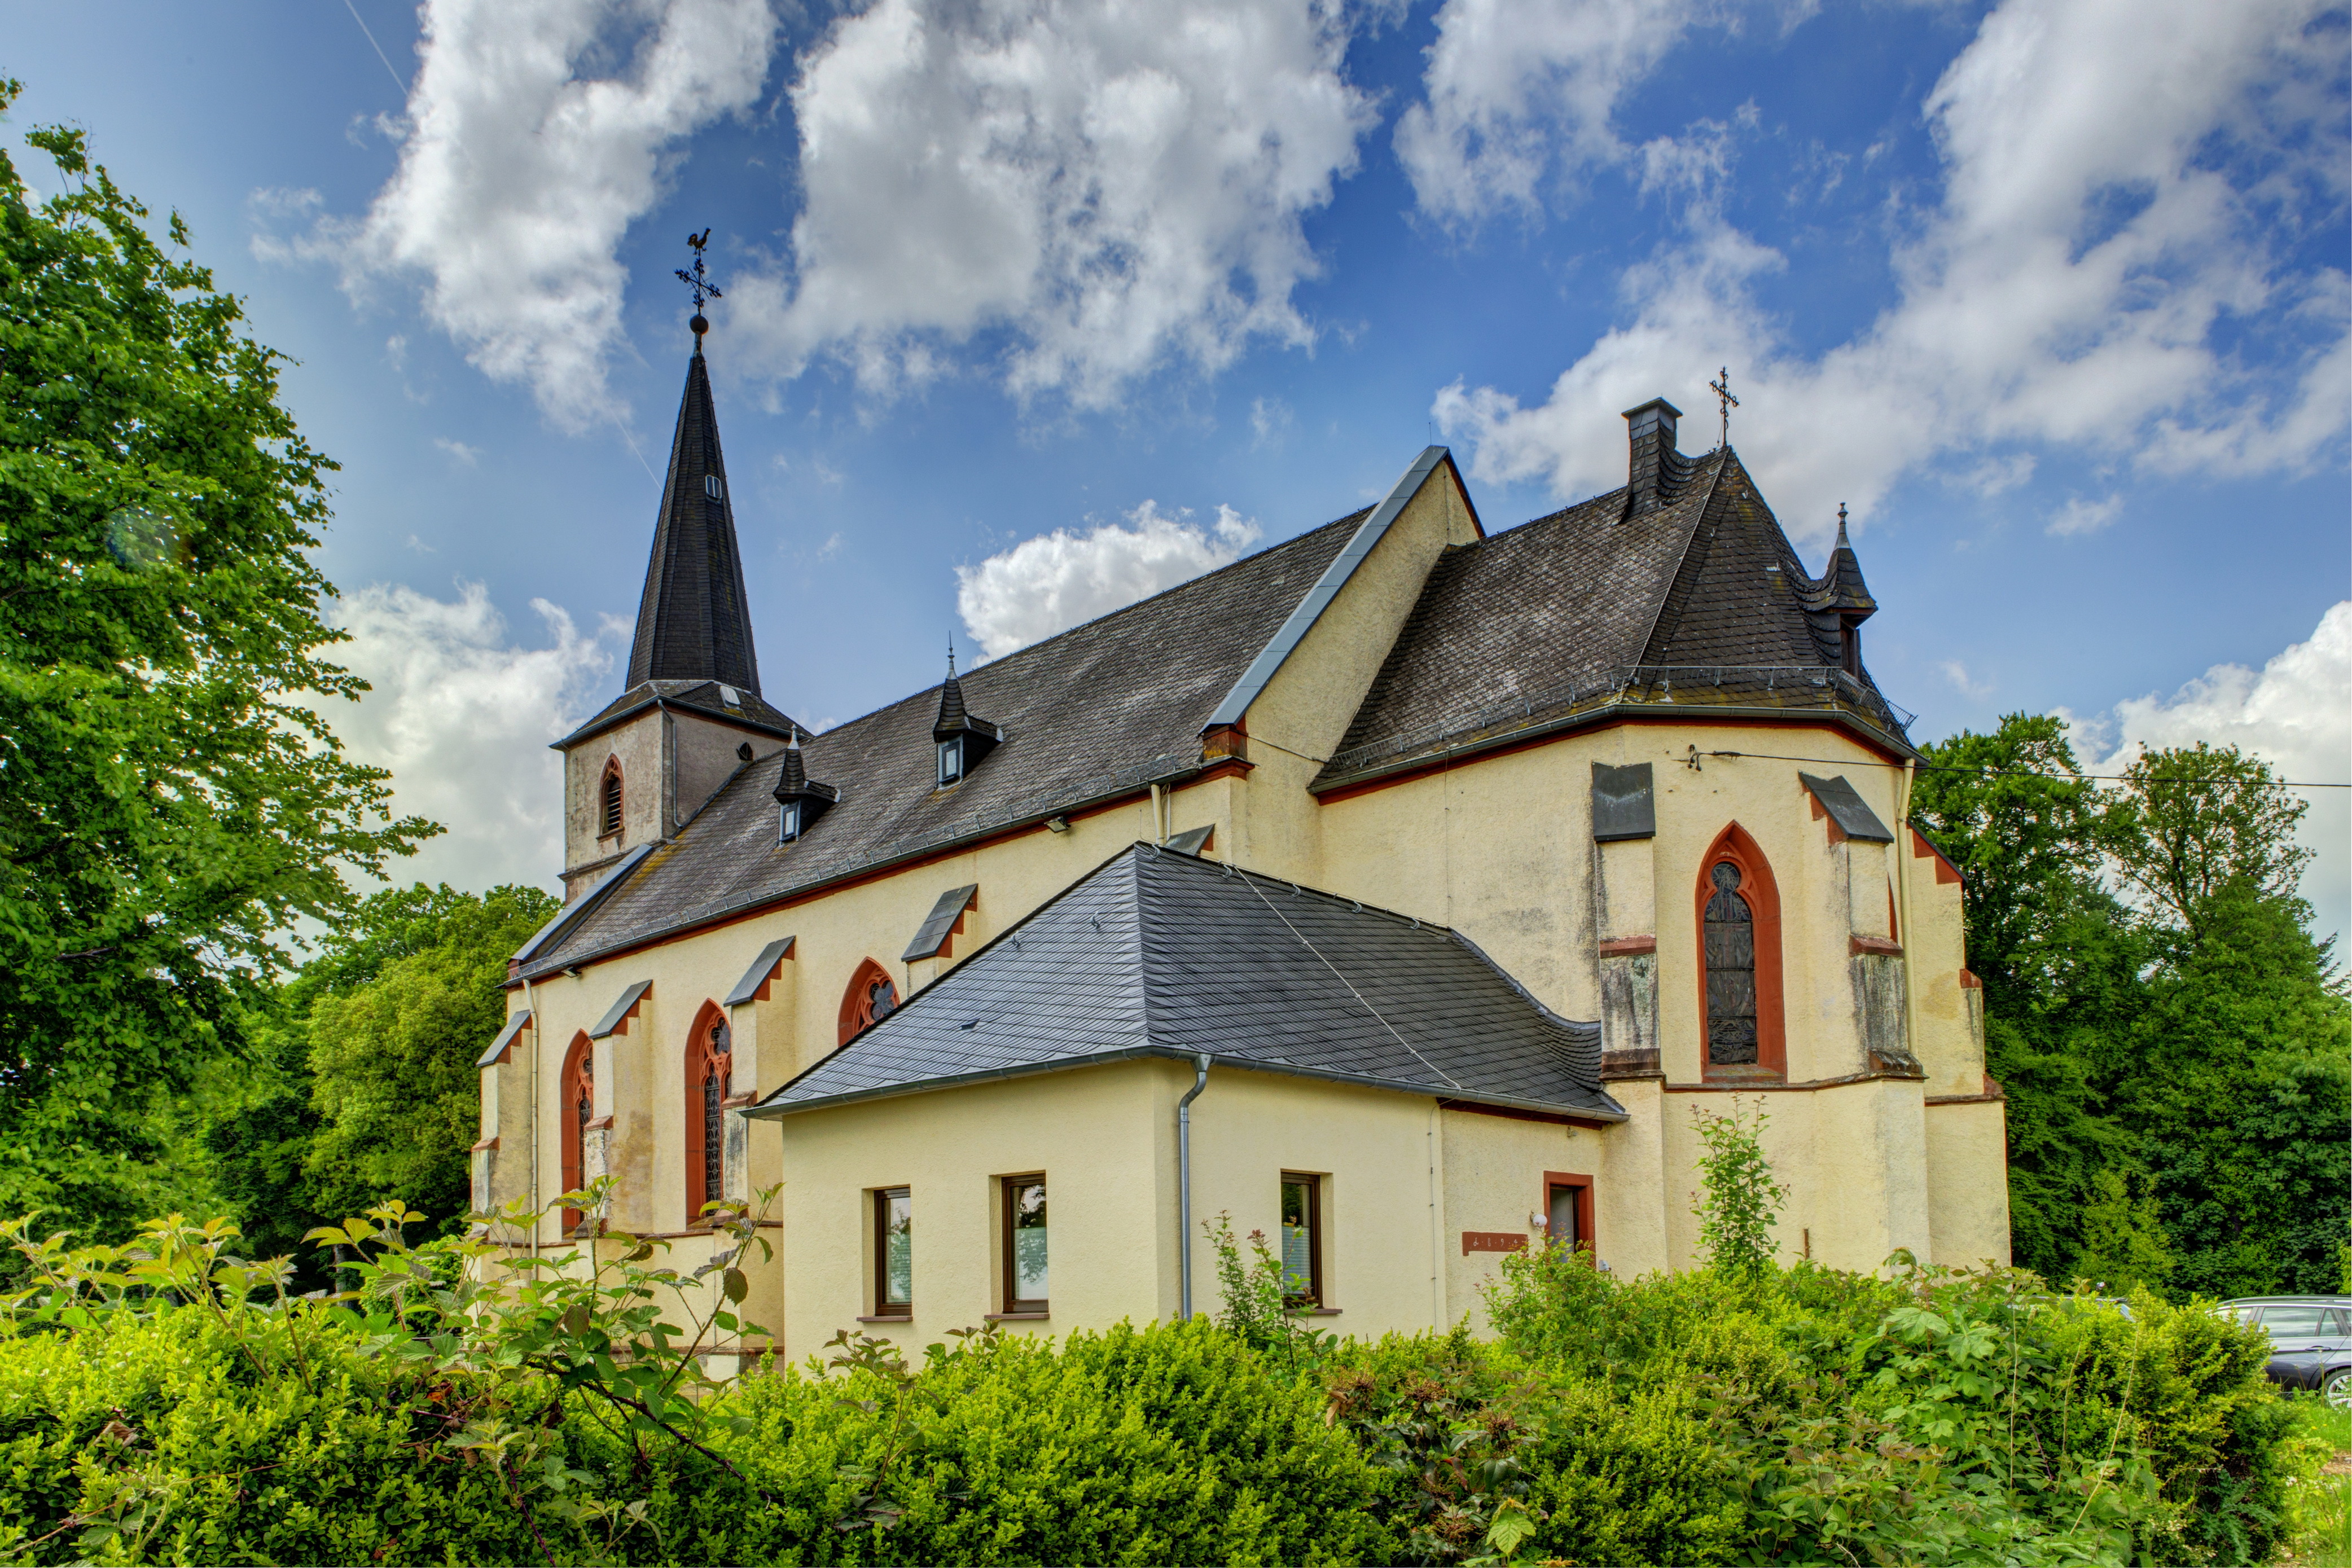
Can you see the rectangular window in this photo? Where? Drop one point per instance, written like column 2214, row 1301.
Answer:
column 1302, row 1239
column 894, row 1253
column 951, row 761
column 1024, row 1244
column 1567, row 1210
column 788, row 826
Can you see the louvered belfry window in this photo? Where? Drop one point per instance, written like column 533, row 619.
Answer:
column 1730, row 970
column 608, row 805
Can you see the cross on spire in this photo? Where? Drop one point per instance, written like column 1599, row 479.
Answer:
column 1722, row 388
column 700, row 281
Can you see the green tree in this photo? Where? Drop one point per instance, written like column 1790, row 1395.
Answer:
column 359, row 1084
column 392, row 1054
column 2193, row 820
column 2060, row 957
column 2124, row 1244
column 170, row 804
column 1741, row 1199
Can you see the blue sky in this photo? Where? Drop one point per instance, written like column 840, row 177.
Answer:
column 1037, row 305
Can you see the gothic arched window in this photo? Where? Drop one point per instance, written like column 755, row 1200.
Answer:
column 709, row 1066
column 1739, row 909
column 608, row 801
column 1730, row 969
column 578, row 1109
column 871, row 999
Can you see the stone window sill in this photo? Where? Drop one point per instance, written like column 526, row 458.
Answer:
column 1015, row 1317
column 889, row 1318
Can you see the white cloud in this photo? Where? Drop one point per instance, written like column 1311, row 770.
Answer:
column 2081, row 517
column 2294, row 714
column 1962, row 682
column 1056, row 580
column 462, row 717
column 1521, row 93
column 1106, row 186
column 1270, row 422
column 521, row 169
column 458, row 451
column 2099, row 275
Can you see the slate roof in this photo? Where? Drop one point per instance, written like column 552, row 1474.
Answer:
column 1095, row 711
column 1161, row 954
column 703, row 697
column 1555, row 611
column 693, row 622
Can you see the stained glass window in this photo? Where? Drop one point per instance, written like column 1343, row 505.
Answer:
column 1730, row 969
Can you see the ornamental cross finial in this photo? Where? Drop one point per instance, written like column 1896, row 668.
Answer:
column 951, row 657
column 700, row 281
column 1841, row 522
column 1722, row 387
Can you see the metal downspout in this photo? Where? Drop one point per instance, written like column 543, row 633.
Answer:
column 1910, row 932
column 531, row 1006
column 1184, row 1187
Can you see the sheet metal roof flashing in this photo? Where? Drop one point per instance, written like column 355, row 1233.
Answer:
column 1326, row 588
column 516, row 1024
column 1191, row 840
column 618, row 1013
column 1623, row 806
column 1847, row 809
column 559, row 925
column 940, row 923
column 764, row 968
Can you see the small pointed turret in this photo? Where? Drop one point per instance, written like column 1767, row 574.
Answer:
column 962, row 738
column 1843, row 589
column 693, row 622
column 802, row 800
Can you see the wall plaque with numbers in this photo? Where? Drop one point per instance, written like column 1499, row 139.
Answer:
column 1494, row 1241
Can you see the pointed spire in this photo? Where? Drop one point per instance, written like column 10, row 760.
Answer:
column 954, row 718
column 1845, row 590
column 693, row 622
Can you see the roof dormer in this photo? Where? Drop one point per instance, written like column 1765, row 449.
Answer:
column 800, row 801
column 960, row 739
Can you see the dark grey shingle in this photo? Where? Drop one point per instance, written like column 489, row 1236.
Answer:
column 932, row 935
column 1848, row 809
column 1165, row 953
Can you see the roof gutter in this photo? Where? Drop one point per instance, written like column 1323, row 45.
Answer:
column 1612, row 1112
column 1615, row 711
column 848, row 874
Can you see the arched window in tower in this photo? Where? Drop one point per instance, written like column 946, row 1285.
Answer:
column 608, row 801
column 709, row 1066
column 1730, row 969
column 578, row 1109
column 1738, row 910
column 871, row 999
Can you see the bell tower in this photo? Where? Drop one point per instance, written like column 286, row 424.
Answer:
column 691, row 713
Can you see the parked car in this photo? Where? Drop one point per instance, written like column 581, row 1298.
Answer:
column 2311, row 1341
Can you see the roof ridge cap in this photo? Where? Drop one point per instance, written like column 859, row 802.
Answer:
column 1684, row 565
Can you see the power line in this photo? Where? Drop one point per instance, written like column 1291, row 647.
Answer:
column 2011, row 772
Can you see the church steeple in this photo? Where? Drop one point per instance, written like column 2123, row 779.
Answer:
column 693, row 622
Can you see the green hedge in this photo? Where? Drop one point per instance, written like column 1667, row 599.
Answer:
column 1791, row 1417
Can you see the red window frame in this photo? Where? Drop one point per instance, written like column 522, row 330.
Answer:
column 1758, row 886
column 856, row 1009
column 578, row 1077
column 701, row 1060
column 1587, row 1239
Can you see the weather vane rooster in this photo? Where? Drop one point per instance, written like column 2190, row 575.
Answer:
column 700, row 281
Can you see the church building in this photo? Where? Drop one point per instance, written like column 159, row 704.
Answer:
column 1406, row 891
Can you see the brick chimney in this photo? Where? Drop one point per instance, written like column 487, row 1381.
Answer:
column 1655, row 470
